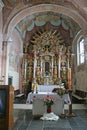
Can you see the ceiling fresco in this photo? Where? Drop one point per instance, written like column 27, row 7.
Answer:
column 29, row 22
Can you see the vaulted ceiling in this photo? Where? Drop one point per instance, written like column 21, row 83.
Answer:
column 65, row 16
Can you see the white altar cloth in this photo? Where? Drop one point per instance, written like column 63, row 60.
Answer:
column 46, row 88
column 40, row 95
column 38, row 107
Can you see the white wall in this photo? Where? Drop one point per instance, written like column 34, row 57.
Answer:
column 15, row 79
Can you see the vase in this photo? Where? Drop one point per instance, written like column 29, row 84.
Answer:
column 49, row 109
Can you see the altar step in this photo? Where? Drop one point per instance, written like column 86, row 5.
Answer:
column 66, row 107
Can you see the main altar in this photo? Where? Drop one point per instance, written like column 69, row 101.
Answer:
column 46, row 63
column 46, row 60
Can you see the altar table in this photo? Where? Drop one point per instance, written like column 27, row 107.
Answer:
column 38, row 103
column 41, row 95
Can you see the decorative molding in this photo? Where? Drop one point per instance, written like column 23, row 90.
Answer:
column 1, row 5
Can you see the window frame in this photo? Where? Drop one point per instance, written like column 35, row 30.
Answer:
column 80, row 52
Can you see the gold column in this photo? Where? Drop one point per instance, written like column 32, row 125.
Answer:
column 69, row 78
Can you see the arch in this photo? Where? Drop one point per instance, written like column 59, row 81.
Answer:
column 78, row 36
column 9, row 26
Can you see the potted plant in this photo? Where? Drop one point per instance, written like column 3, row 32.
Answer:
column 48, row 101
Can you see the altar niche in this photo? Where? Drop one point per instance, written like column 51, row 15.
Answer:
column 47, row 73
column 47, row 68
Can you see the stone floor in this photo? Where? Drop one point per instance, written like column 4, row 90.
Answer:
column 24, row 121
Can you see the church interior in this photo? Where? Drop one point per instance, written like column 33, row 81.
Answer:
column 43, row 51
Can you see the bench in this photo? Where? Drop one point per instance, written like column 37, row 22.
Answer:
column 80, row 95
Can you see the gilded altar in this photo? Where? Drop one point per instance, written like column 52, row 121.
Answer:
column 46, row 59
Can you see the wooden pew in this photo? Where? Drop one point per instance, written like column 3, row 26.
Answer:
column 80, row 95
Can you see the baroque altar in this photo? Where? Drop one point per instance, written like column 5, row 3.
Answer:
column 47, row 59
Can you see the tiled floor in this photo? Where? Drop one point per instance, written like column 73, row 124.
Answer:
column 24, row 120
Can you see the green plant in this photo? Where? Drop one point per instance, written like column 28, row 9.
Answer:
column 61, row 91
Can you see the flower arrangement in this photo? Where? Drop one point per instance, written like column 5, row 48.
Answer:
column 61, row 91
column 48, row 101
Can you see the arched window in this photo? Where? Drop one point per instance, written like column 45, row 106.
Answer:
column 80, row 52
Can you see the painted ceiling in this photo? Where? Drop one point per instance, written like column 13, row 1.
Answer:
column 38, row 20
column 41, row 19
